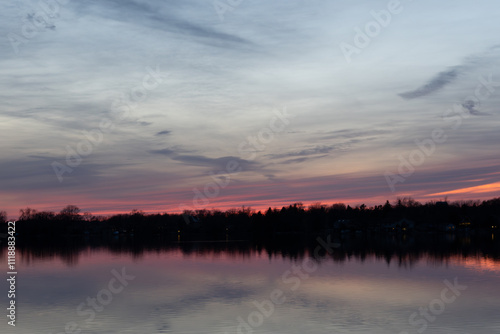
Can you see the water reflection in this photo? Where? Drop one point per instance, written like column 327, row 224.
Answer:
column 271, row 286
column 404, row 250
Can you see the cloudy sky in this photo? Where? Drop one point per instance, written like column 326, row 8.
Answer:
column 156, row 105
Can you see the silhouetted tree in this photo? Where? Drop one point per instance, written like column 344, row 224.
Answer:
column 3, row 217
column 44, row 216
column 407, row 202
column 26, row 214
column 87, row 216
column 245, row 223
column 70, row 212
column 338, row 207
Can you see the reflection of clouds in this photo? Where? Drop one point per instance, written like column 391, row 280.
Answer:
column 369, row 290
column 211, row 293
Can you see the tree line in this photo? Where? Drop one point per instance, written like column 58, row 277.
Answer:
column 247, row 223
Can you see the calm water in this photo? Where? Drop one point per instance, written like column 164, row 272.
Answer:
column 231, row 288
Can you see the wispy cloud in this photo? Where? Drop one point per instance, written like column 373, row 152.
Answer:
column 471, row 106
column 438, row 82
column 165, row 16
column 320, row 150
column 216, row 164
column 484, row 188
column 164, row 151
column 34, row 20
column 164, row 132
column 444, row 78
column 353, row 134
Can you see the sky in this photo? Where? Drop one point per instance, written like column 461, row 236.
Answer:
column 166, row 106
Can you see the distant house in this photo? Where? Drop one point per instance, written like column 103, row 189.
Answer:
column 406, row 224
column 465, row 224
column 450, row 228
column 401, row 225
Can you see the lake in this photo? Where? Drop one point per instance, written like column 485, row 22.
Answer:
column 400, row 285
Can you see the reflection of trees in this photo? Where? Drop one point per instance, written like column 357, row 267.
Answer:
column 403, row 252
column 68, row 252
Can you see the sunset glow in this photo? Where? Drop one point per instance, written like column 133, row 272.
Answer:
column 485, row 188
column 165, row 106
